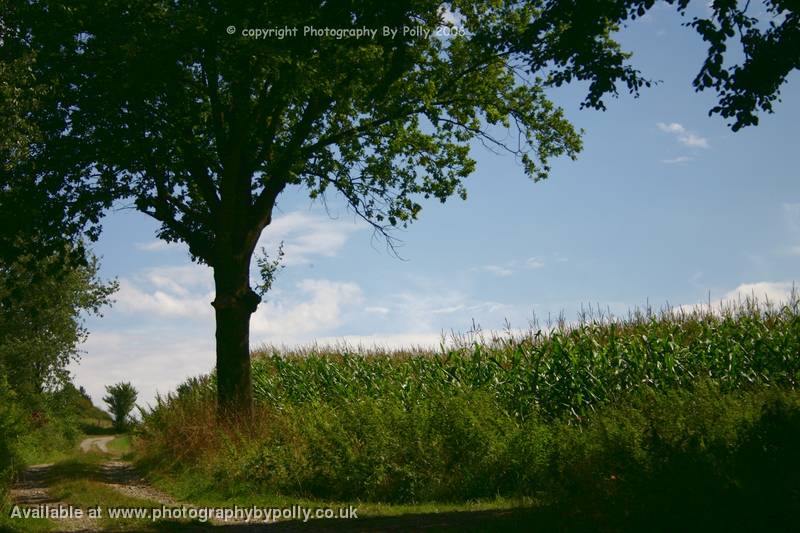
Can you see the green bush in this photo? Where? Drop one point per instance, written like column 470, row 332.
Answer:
column 685, row 459
column 53, row 423
column 10, row 429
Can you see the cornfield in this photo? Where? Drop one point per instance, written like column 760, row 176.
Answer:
column 566, row 370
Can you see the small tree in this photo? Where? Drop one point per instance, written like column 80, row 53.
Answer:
column 121, row 400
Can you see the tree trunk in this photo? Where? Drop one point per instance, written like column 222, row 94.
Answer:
column 235, row 301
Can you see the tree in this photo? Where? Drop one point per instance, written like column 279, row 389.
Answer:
column 121, row 399
column 41, row 320
column 170, row 104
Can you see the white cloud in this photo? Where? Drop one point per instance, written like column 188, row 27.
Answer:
column 497, row 270
column 324, row 309
column 417, row 310
column 672, row 127
column 534, row 262
column 178, row 303
column 377, row 310
column 509, row 268
column 179, row 278
column 431, row 309
column 694, row 141
column 448, row 310
column 684, row 136
column 184, row 291
column 306, row 235
column 157, row 246
column 676, row 160
column 774, row 292
column 153, row 359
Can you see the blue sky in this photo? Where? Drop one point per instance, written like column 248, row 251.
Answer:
column 665, row 204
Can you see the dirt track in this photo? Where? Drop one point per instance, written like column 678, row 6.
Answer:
column 101, row 443
column 33, row 488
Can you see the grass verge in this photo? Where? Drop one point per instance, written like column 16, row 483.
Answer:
column 122, row 446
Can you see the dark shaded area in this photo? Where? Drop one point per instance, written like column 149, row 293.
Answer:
column 96, row 430
column 114, row 472
column 33, row 484
column 510, row 520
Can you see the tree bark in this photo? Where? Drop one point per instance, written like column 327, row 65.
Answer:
column 235, row 301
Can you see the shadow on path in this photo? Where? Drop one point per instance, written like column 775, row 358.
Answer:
column 31, row 489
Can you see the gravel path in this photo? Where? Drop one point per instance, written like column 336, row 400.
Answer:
column 31, row 491
column 120, row 476
column 101, row 443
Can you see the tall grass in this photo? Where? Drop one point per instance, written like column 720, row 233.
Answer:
column 603, row 407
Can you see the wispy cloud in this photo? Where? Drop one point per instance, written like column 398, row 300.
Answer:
column 534, row 262
column 497, row 270
column 179, row 278
column 511, row 267
column 684, row 136
column 307, row 235
column 677, row 160
column 320, row 307
column 157, row 246
column 427, row 310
